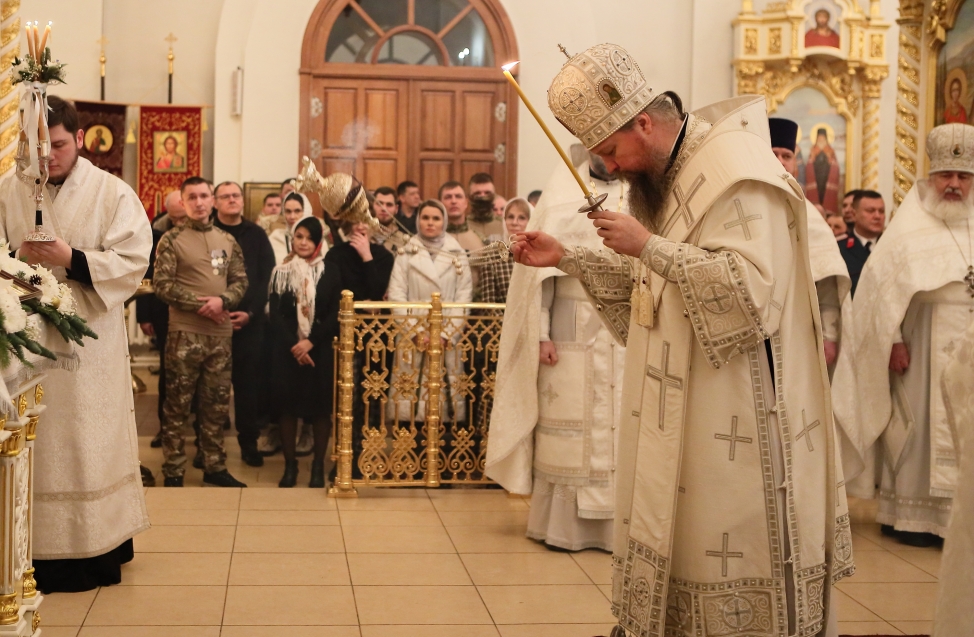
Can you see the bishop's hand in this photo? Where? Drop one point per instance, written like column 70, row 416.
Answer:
column 620, row 233
column 537, row 249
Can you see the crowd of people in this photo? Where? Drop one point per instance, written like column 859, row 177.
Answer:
column 252, row 306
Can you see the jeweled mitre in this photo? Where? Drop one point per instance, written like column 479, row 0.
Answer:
column 597, row 92
column 950, row 147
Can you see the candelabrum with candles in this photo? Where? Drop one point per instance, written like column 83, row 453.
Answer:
column 35, row 71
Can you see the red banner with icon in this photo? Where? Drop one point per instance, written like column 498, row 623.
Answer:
column 104, row 127
column 170, row 151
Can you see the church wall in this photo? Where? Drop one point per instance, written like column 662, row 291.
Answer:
column 680, row 46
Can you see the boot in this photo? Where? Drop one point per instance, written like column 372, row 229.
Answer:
column 317, row 474
column 290, row 477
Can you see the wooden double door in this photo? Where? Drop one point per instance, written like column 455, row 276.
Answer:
column 385, row 131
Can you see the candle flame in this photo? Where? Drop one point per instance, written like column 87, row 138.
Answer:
column 510, row 65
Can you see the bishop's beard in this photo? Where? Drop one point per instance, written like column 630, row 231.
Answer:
column 946, row 210
column 648, row 190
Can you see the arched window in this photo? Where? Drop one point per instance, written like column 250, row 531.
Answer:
column 415, row 32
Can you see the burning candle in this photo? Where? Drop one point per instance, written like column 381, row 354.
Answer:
column 30, row 40
column 554, row 142
column 37, row 41
column 47, row 34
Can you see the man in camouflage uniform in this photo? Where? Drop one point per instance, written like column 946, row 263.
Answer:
column 199, row 273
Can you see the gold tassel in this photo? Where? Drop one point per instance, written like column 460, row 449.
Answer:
column 642, row 299
column 130, row 138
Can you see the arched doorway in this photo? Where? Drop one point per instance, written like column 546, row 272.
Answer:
column 410, row 89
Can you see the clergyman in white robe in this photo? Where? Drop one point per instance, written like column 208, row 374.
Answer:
column 88, row 490
column 558, row 443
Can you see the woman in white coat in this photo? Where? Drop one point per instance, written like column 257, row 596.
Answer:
column 432, row 261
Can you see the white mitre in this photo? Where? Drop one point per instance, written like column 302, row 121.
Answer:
column 950, row 148
column 597, row 92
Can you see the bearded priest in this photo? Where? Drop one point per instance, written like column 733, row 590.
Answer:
column 88, row 502
column 730, row 515
column 914, row 301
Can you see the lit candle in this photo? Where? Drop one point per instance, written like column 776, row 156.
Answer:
column 47, row 34
column 524, row 98
column 37, row 41
column 30, row 40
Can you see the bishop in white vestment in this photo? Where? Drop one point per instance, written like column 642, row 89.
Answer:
column 730, row 514
column 559, row 443
column 88, row 500
column 915, row 299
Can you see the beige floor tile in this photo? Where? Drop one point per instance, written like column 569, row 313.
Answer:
column 191, row 517
column 484, row 518
column 555, row 630
column 284, row 569
column 493, row 539
column 884, row 566
column 390, row 518
column 289, row 539
column 861, row 543
column 376, row 503
column 148, row 631
column 66, row 609
column 409, row 539
column 286, row 500
column 185, row 539
column 596, row 564
column 58, row 631
column 863, row 511
column 288, row 518
column 290, row 631
column 475, row 500
column 176, row 569
column 895, row 602
column 429, row 569
column 204, row 499
column 849, row 610
column 429, row 631
column 873, row 533
column 418, row 605
column 493, row 569
column 914, row 628
column 158, row 606
column 606, row 591
column 296, row 606
column 546, row 604
column 929, row 560
column 866, row 628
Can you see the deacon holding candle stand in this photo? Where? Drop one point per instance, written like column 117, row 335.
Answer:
column 731, row 517
column 89, row 228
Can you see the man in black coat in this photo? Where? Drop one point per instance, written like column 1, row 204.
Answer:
column 248, row 320
column 870, row 221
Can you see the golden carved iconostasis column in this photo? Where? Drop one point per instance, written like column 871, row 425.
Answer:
column 9, row 48
column 909, row 148
column 777, row 54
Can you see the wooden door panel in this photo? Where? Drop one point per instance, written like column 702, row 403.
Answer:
column 382, row 114
column 477, row 121
column 331, row 165
column 437, row 121
column 340, row 113
column 380, row 172
column 470, row 167
column 433, row 174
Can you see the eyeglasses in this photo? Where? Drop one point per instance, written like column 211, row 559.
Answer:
column 235, row 195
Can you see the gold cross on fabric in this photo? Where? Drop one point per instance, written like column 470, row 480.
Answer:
column 742, row 220
column 807, row 431
column 662, row 374
column 724, row 555
column 733, row 438
column 683, row 203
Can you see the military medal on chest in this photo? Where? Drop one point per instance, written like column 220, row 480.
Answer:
column 218, row 259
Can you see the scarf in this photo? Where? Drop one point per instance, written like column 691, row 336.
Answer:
column 300, row 277
column 434, row 245
column 457, row 228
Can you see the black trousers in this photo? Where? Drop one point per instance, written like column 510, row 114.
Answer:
column 247, row 372
column 162, row 331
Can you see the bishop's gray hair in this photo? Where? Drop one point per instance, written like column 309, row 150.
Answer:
column 666, row 108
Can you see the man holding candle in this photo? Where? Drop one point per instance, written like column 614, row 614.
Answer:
column 731, row 516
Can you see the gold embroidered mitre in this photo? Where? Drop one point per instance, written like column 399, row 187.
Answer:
column 341, row 195
column 951, row 148
column 597, row 92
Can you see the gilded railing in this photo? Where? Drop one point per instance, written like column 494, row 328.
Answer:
column 414, row 383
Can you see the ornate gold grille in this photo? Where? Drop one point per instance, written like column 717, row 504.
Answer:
column 414, row 385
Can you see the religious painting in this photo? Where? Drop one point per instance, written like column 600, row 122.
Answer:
column 169, row 151
column 822, row 24
column 170, row 146
column 955, row 71
column 254, row 193
column 821, row 146
column 104, row 127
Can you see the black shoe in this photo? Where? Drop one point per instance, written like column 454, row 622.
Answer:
column 157, row 441
column 198, row 460
column 290, row 477
column 920, row 540
column 317, row 475
column 174, row 481
column 889, row 531
column 221, row 479
column 252, row 457
column 148, row 480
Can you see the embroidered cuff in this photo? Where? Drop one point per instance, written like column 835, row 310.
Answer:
column 657, row 255
column 608, row 280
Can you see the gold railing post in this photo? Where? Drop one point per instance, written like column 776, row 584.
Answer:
column 346, row 385
column 434, row 421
